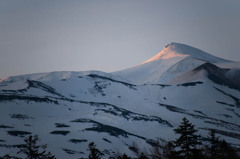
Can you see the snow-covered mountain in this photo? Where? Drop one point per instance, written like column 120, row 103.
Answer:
column 138, row 105
column 174, row 60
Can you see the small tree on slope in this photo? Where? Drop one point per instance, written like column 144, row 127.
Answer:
column 34, row 151
column 214, row 147
column 186, row 144
column 94, row 152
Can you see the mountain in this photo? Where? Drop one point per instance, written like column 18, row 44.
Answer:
column 172, row 61
column 136, row 106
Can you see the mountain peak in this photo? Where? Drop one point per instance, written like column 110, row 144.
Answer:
column 174, row 60
column 173, row 44
column 178, row 50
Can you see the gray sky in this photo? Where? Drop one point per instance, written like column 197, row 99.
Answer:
column 110, row 35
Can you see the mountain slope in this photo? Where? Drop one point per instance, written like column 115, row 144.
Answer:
column 226, row 77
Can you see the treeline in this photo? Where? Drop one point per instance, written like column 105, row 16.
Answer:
column 187, row 146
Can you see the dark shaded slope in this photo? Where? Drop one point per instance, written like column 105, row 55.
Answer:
column 219, row 75
column 132, row 86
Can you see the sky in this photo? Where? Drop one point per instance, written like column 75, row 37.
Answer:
column 110, row 35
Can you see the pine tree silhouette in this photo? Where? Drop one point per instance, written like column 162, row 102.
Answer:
column 94, row 152
column 142, row 156
column 227, row 151
column 124, row 156
column 168, row 151
column 34, row 151
column 214, row 147
column 186, row 144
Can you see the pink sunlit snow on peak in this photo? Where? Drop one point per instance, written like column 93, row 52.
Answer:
column 177, row 50
column 168, row 52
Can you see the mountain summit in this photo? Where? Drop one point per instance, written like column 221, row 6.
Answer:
column 174, row 60
column 173, row 50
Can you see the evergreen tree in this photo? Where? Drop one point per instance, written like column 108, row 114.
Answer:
column 214, row 147
column 94, row 152
column 156, row 151
column 7, row 156
column 142, row 156
column 186, row 144
column 168, row 151
column 34, row 151
column 226, row 151
column 124, row 156
column 134, row 147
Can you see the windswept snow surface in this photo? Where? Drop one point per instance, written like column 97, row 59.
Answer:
column 68, row 110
